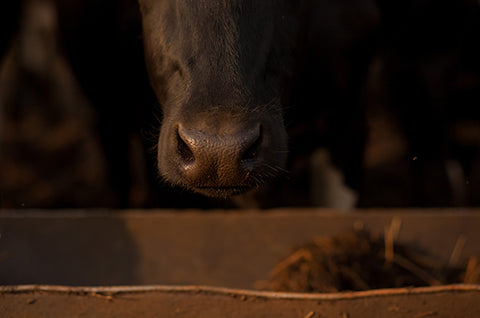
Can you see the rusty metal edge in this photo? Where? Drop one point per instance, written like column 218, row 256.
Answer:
column 193, row 289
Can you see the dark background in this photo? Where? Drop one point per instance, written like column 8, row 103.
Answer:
column 422, row 105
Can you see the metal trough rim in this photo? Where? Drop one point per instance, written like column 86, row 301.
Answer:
column 194, row 289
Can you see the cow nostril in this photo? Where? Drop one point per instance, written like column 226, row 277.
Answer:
column 184, row 151
column 251, row 152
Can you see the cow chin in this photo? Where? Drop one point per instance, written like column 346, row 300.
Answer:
column 222, row 192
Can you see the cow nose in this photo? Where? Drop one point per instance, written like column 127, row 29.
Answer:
column 218, row 160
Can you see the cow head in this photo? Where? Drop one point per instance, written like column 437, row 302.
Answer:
column 217, row 68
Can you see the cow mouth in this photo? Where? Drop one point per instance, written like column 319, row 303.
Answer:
column 222, row 192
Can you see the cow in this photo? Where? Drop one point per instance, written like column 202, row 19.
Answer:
column 243, row 87
column 225, row 72
column 217, row 69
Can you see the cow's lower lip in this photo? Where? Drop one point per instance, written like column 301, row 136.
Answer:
column 222, row 192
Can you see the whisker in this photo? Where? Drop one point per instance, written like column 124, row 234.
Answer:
column 271, row 104
column 276, row 168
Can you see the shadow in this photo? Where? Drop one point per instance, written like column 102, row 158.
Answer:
column 61, row 250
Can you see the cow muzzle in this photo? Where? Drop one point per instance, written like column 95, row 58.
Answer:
column 223, row 153
column 219, row 165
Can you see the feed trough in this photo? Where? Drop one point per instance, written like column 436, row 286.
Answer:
column 209, row 263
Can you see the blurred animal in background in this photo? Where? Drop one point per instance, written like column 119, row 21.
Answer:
column 50, row 154
column 431, row 83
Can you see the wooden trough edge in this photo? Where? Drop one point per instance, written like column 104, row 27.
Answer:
column 232, row 292
column 72, row 213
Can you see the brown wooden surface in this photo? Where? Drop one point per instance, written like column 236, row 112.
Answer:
column 228, row 249
column 151, row 251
